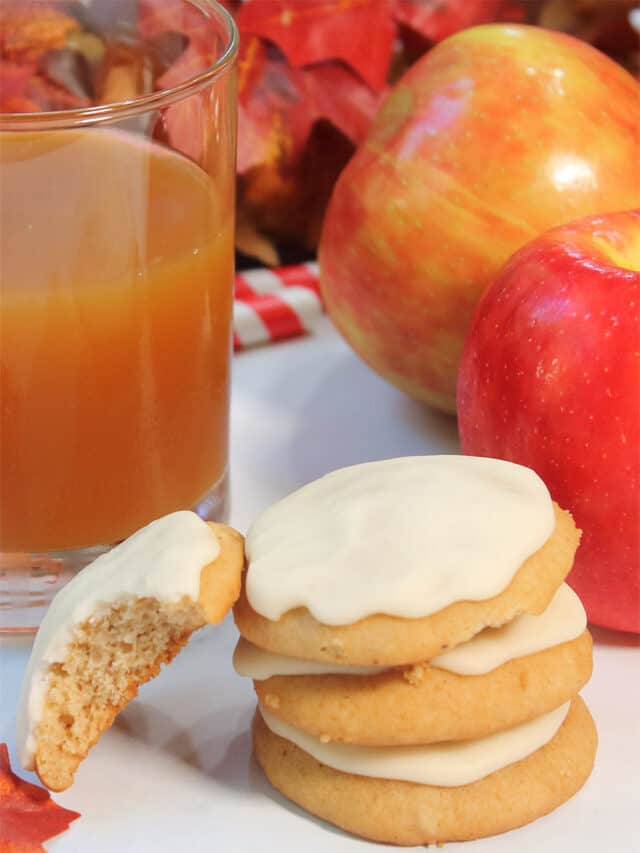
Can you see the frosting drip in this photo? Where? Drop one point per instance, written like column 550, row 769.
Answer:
column 253, row 662
column 563, row 620
column 445, row 764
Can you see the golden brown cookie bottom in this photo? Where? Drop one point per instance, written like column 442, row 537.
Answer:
column 408, row 814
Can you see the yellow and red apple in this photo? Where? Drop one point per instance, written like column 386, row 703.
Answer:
column 497, row 134
column 550, row 378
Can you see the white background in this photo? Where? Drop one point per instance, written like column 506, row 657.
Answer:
column 175, row 774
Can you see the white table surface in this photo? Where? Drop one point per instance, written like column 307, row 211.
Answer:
column 175, row 772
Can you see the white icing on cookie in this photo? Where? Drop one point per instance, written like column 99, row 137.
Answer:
column 162, row 560
column 563, row 620
column 253, row 662
column 444, row 764
column 406, row 537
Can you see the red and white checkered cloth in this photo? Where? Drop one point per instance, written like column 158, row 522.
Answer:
column 272, row 304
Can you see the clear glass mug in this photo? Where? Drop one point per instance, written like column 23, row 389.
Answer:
column 116, row 287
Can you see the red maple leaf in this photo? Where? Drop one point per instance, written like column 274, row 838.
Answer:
column 279, row 104
column 24, row 89
column 438, row 19
column 340, row 97
column 156, row 17
column 358, row 32
column 186, row 120
column 254, row 119
column 14, row 78
column 28, row 815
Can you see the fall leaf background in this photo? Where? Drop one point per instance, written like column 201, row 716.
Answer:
column 311, row 74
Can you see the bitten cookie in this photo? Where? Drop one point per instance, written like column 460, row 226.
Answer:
column 408, row 813
column 112, row 627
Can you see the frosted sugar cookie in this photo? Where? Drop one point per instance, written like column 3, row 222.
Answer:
column 501, row 677
column 413, row 813
column 394, row 562
column 112, row 627
column 426, row 704
column 414, row 651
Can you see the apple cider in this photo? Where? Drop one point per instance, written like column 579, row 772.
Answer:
column 116, row 296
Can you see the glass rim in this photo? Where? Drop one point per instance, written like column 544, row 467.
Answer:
column 116, row 110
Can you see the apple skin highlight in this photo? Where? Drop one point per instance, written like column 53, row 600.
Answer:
column 550, row 378
column 496, row 135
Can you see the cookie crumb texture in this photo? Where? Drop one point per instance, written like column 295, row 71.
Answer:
column 109, row 657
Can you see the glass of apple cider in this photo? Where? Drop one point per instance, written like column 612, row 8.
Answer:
column 117, row 175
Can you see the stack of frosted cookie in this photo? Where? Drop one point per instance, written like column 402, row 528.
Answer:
column 416, row 655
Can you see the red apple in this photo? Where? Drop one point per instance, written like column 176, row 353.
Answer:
column 550, row 378
column 497, row 134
